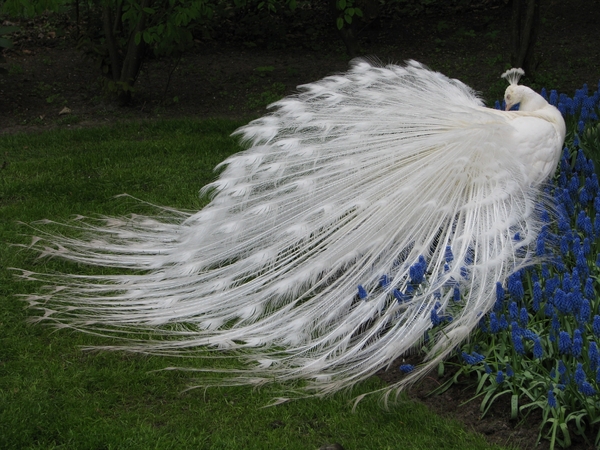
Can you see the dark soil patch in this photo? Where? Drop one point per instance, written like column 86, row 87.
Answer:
column 228, row 79
column 459, row 403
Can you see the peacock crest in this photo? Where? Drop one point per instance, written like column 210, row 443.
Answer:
column 513, row 75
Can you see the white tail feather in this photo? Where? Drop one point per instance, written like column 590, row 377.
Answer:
column 380, row 172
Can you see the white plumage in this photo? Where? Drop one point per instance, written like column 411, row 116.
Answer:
column 361, row 205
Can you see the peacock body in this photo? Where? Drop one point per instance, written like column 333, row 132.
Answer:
column 366, row 207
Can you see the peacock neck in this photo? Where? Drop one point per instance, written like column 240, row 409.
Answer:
column 532, row 101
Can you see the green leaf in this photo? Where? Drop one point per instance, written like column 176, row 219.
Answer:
column 481, row 384
column 149, row 10
column 8, row 30
column 341, row 5
column 566, row 435
column 514, row 406
column 340, row 23
column 489, row 399
column 5, row 43
column 350, row 11
column 138, row 38
column 358, row 12
column 348, row 19
column 136, row 5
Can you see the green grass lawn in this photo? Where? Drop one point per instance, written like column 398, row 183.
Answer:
column 54, row 395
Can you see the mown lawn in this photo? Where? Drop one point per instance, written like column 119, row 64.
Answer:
column 55, row 395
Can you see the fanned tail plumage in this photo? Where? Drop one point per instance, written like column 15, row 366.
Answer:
column 363, row 206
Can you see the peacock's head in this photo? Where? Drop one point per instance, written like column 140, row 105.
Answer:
column 515, row 94
column 527, row 98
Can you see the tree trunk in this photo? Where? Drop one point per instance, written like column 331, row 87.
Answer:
column 350, row 41
column 111, row 44
column 525, row 27
column 124, row 70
